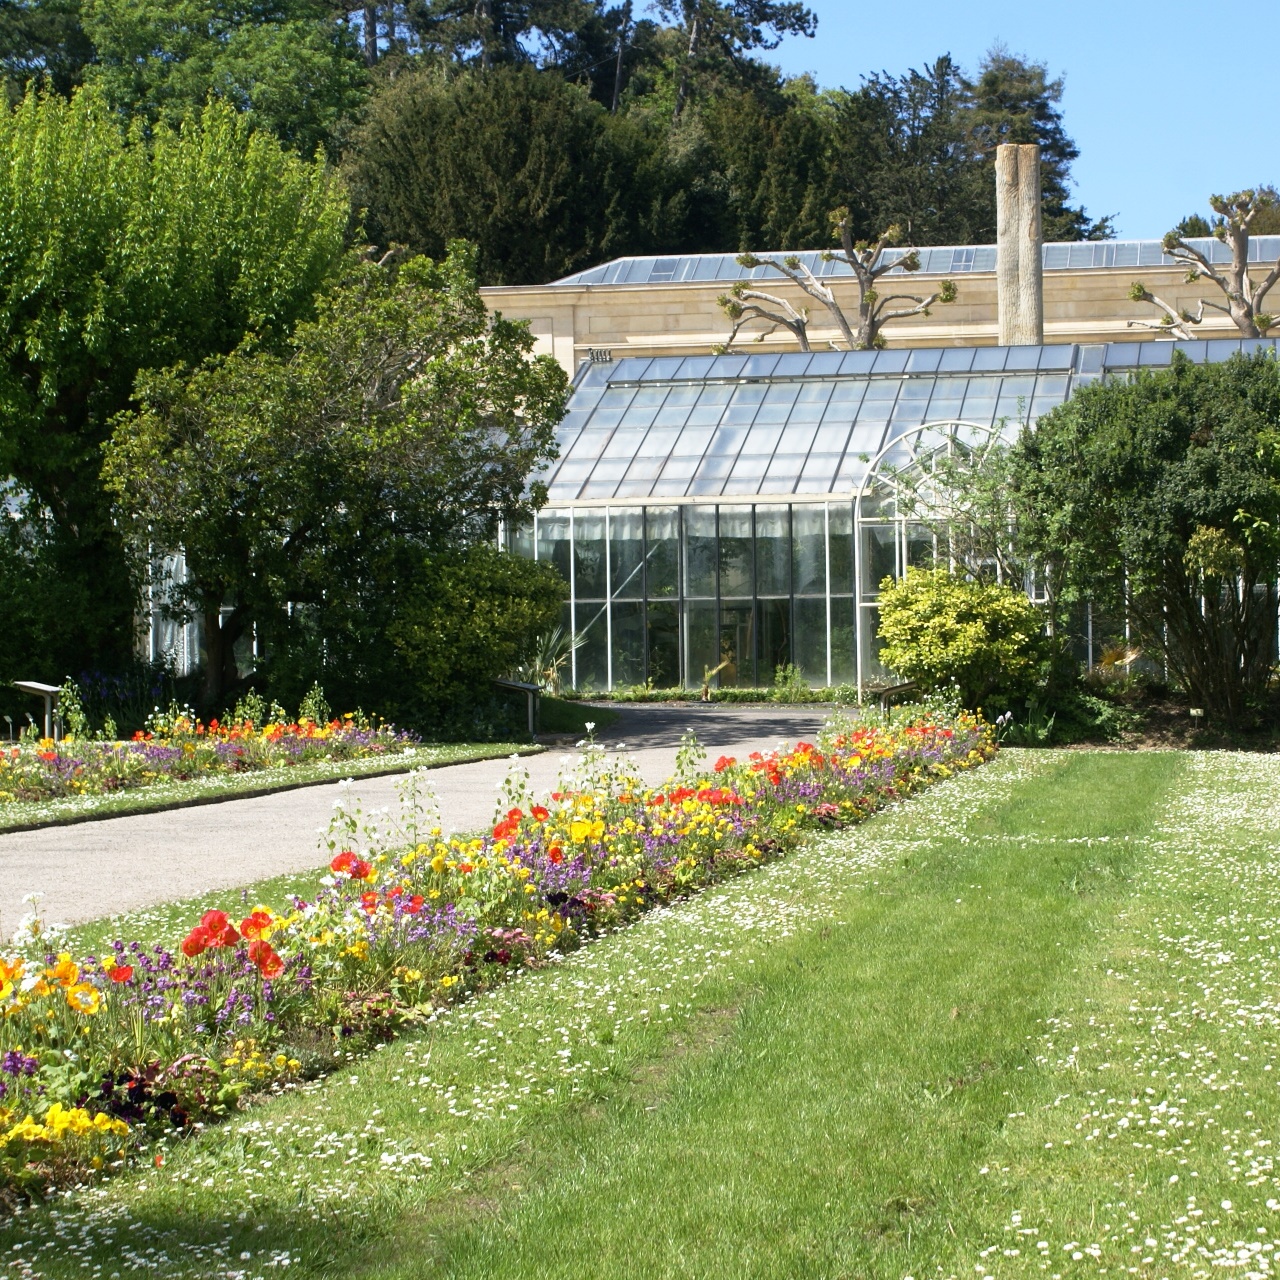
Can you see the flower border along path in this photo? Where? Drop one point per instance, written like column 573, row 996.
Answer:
column 408, row 923
column 157, row 797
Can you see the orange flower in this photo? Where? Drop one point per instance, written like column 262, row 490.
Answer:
column 256, row 925
column 264, row 956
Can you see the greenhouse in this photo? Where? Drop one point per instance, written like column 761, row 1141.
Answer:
column 722, row 516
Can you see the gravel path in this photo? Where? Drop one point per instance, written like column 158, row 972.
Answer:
column 96, row 869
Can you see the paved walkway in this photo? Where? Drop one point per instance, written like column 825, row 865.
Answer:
column 95, row 869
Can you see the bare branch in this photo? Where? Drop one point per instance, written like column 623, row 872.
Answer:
column 743, row 305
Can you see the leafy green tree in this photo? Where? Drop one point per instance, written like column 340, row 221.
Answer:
column 543, row 180
column 291, row 66
column 917, row 150
column 401, row 416
column 1013, row 100
column 721, row 33
column 1159, row 497
column 121, row 256
column 939, row 630
column 42, row 41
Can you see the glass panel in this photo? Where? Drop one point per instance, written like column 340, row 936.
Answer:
column 841, row 518
column 831, row 438
column 663, row 531
column 1015, row 398
column 553, row 540
column 737, row 649
column 700, row 551
column 628, row 642
column 664, row 645
column 956, row 359
column 1022, row 358
column 659, row 443
column 735, row 551
column 626, row 556
column 879, row 557
column 844, row 667
column 773, row 551
column 774, row 645
column 873, row 670
column 692, row 442
column 520, row 539
column 626, row 443
column 588, row 555
column 810, row 638
column 593, row 655
column 809, row 549
column 819, row 473
column 700, row 641
column 920, row 548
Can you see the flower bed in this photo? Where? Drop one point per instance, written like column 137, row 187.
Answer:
column 181, row 748
column 97, row 1052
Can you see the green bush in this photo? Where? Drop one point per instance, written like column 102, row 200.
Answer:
column 984, row 638
column 461, row 618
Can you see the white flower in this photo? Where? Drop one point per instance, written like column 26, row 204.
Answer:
column 591, row 724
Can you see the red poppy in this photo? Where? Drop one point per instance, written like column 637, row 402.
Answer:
column 357, row 868
column 725, row 762
column 414, row 904
column 263, row 955
column 221, row 932
column 120, row 972
column 195, row 942
column 254, row 924
column 466, row 868
column 540, row 814
column 554, row 854
column 369, row 901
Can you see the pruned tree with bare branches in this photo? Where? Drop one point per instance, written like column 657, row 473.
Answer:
column 868, row 262
column 1244, row 297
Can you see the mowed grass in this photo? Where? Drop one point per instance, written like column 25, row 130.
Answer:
column 836, row 1125
column 1007, row 1028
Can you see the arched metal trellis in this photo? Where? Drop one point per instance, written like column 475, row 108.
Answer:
column 902, row 492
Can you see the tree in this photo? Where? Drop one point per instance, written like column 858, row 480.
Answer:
column 1013, row 100
column 43, row 42
column 1158, row 498
column 122, row 255
column 868, row 263
column 401, row 416
column 918, row 149
column 528, row 168
column 1237, row 215
column 727, row 30
column 290, row 65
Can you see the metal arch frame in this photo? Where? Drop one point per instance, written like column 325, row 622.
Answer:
column 869, row 479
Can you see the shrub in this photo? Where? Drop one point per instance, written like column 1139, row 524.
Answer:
column 464, row 617
column 938, row 630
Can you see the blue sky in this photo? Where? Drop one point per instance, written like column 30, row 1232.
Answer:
column 1155, row 138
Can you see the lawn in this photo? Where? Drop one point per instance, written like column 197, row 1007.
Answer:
column 1023, row 1024
column 24, row 815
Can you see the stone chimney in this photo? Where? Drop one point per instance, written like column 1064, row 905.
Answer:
column 1019, row 266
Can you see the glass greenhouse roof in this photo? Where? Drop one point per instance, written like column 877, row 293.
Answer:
column 808, row 424
column 704, row 267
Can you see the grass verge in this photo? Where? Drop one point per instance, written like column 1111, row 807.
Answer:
column 812, row 1070
column 28, row 815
